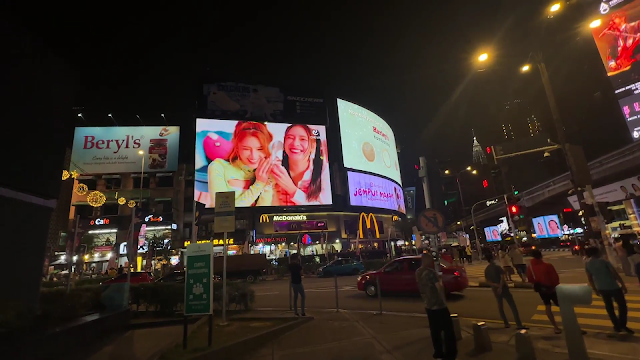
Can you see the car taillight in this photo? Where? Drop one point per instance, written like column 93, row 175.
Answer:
column 457, row 273
column 577, row 247
column 561, row 244
column 533, row 248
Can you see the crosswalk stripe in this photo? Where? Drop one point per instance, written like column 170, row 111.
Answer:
column 628, row 297
column 580, row 310
column 586, row 321
column 629, row 305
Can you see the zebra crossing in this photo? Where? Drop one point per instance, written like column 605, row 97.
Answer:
column 595, row 316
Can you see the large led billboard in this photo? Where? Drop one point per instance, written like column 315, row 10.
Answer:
column 244, row 101
column 492, row 233
column 373, row 191
column 617, row 35
column 266, row 164
column 122, row 149
column 547, row 226
column 622, row 190
column 368, row 143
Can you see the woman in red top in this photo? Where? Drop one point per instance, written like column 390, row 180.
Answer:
column 544, row 278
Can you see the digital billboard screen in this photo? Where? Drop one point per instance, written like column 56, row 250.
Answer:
column 547, row 226
column 368, row 143
column 626, row 189
column 492, row 233
column 266, row 164
column 373, row 191
column 616, row 31
column 122, row 149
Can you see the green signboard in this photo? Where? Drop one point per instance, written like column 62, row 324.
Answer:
column 198, row 290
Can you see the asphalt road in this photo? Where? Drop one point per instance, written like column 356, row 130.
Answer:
column 473, row 303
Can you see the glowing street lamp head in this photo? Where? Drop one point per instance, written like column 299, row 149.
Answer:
column 595, row 23
column 483, row 57
column 555, row 7
column 447, row 172
column 474, row 172
column 468, row 168
column 141, row 152
column 525, row 68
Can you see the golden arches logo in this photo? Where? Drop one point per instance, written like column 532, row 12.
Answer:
column 367, row 219
column 395, row 218
column 264, row 218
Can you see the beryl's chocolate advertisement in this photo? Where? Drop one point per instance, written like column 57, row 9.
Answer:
column 368, row 143
column 123, row 149
column 265, row 164
column 374, row 191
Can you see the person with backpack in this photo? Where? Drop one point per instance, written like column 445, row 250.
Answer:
column 607, row 283
column 544, row 278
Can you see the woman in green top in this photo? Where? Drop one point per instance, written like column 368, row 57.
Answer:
column 246, row 170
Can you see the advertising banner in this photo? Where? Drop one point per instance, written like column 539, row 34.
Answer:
column 305, row 108
column 373, row 191
column 368, row 144
column 242, row 101
column 492, row 233
column 622, row 190
column 410, row 201
column 265, row 164
column 547, row 226
column 617, row 35
column 107, row 150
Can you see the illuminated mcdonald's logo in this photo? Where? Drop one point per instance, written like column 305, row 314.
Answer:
column 264, row 218
column 395, row 218
column 368, row 219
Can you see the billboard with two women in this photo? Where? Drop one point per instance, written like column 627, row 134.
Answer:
column 266, row 164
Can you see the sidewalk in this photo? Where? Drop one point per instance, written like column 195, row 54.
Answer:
column 364, row 335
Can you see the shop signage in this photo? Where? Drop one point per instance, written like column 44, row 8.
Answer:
column 198, row 292
column 492, row 202
column 395, row 218
column 99, row 221
column 215, row 242
column 151, row 218
column 289, row 217
column 264, row 218
column 102, row 248
column 304, row 225
column 225, row 217
column 271, row 239
column 368, row 219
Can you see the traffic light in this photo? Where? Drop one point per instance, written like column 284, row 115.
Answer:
column 514, row 209
column 488, row 150
column 485, row 183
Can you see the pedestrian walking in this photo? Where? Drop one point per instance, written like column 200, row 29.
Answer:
column 296, row 283
column 495, row 276
column 607, row 283
column 469, row 254
column 440, row 323
column 544, row 278
column 505, row 262
column 462, row 254
column 517, row 259
column 621, row 251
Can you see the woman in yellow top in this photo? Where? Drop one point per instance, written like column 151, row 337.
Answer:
column 246, row 170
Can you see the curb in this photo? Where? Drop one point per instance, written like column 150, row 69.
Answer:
column 248, row 345
column 168, row 345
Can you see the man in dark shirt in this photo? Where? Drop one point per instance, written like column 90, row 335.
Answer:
column 495, row 277
column 296, row 283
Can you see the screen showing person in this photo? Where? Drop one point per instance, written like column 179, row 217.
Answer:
column 553, row 225
column 539, row 227
column 265, row 164
column 487, row 233
column 495, row 234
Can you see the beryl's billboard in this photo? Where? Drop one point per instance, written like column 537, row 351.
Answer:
column 368, row 143
column 266, row 164
column 121, row 149
column 616, row 31
column 374, row 191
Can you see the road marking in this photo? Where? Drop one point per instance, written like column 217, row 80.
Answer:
column 269, row 293
column 581, row 310
column 628, row 297
column 586, row 321
column 629, row 305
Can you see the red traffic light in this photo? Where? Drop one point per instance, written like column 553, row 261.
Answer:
column 568, row 210
column 513, row 209
column 488, row 150
column 485, row 183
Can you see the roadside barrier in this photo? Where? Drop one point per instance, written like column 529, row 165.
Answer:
column 481, row 338
column 524, row 346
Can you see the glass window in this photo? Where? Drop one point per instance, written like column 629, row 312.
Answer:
column 414, row 264
column 164, row 181
column 397, row 265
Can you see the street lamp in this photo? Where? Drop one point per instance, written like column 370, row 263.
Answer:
column 595, row 23
column 525, row 68
column 447, row 172
column 483, row 57
column 555, row 7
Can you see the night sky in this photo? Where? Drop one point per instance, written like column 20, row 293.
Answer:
column 413, row 65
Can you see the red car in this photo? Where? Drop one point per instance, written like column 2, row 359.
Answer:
column 399, row 276
column 136, row 278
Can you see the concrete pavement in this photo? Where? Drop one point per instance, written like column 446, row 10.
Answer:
column 363, row 335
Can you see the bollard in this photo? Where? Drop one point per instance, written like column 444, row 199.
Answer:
column 379, row 294
column 568, row 297
column 456, row 326
column 335, row 277
column 524, row 346
column 481, row 339
column 290, row 304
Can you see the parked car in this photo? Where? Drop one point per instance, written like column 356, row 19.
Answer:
column 136, row 278
column 398, row 276
column 341, row 267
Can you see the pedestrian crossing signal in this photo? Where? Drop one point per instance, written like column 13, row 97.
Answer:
column 513, row 209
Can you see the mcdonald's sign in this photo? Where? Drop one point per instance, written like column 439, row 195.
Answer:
column 264, row 218
column 367, row 219
column 395, row 218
